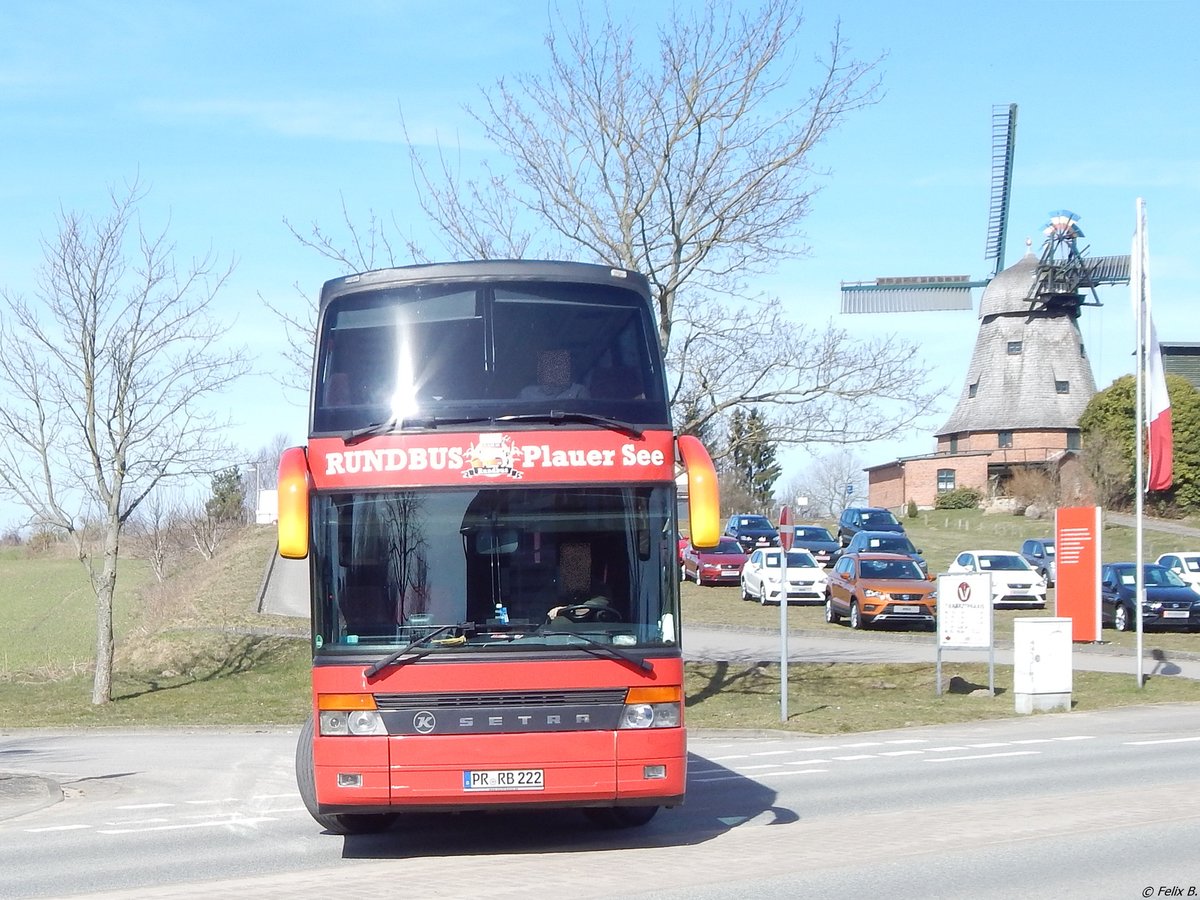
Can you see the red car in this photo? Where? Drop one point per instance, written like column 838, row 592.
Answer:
column 721, row 564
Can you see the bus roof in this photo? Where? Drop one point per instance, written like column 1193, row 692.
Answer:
column 489, row 270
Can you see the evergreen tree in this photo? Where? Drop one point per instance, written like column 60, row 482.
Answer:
column 228, row 496
column 1108, row 429
column 752, row 464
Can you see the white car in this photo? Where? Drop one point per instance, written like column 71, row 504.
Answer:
column 1014, row 581
column 1185, row 564
column 761, row 576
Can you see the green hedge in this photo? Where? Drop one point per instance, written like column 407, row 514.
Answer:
column 959, row 498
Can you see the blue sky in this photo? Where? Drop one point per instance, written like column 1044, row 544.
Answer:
column 239, row 115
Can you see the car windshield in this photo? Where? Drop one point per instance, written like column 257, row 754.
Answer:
column 891, row 545
column 726, row 547
column 878, row 518
column 813, row 534
column 754, row 522
column 796, row 559
column 898, row 569
column 1152, row 575
column 1003, row 561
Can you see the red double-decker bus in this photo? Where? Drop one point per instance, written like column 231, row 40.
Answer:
column 487, row 505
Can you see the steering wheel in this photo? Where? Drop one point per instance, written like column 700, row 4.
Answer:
column 582, row 612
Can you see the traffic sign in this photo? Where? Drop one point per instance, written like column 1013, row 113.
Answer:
column 786, row 529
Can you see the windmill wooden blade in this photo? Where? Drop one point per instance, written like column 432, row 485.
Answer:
column 916, row 293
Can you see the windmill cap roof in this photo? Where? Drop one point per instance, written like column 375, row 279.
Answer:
column 1007, row 293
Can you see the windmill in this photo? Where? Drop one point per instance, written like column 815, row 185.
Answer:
column 1029, row 378
column 1063, row 270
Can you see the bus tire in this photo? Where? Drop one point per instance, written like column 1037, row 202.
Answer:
column 620, row 816
column 307, row 783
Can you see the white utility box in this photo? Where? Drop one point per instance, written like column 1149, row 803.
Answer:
column 1042, row 665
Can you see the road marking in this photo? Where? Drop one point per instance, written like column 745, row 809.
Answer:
column 988, row 746
column 808, row 762
column 856, row 756
column 56, row 828
column 1077, row 737
column 1032, row 741
column 218, row 824
column 1185, row 740
column 794, row 772
column 945, row 749
column 902, row 753
column 942, row 759
column 772, row 753
column 147, row 806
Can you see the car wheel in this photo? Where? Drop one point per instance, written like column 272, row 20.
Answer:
column 1121, row 617
column 831, row 615
column 855, row 616
column 699, row 580
column 745, row 593
column 682, row 572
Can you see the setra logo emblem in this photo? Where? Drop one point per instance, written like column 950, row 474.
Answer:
column 492, row 456
column 424, row 722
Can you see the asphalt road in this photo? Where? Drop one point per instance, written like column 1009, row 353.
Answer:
column 1079, row 805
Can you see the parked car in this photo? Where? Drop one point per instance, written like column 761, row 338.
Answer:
column 1039, row 553
column 865, row 518
column 1014, row 581
column 680, row 543
column 721, row 564
column 1169, row 603
column 871, row 588
column 884, row 542
column 817, row 541
column 761, row 579
column 1185, row 564
column 752, row 531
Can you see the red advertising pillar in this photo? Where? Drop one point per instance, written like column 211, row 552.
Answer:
column 1077, row 581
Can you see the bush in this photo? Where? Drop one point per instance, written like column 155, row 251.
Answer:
column 959, row 498
column 912, row 508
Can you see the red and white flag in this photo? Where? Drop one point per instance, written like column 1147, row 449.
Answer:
column 1158, row 405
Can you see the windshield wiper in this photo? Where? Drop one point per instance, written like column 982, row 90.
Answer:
column 596, row 647
column 375, row 668
column 558, row 417
column 406, row 423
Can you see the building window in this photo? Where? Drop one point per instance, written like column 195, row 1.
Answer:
column 945, row 480
column 1014, row 348
column 1082, row 352
column 1073, row 442
column 1004, row 440
column 1062, row 387
column 954, row 443
column 973, row 389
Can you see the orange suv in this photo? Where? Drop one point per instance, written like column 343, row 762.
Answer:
column 880, row 587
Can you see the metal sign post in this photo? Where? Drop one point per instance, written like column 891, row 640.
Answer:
column 786, row 534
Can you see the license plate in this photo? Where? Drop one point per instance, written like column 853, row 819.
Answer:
column 906, row 609
column 503, row 780
column 1176, row 613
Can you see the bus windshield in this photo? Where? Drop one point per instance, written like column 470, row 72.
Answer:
column 465, row 349
column 396, row 566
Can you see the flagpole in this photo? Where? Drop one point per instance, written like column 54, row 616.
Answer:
column 1138, row 284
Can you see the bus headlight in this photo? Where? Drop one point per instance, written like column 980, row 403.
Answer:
column 650, row 715
column 351, row 722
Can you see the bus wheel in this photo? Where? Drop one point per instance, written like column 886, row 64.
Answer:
column 307, row 783
column 620, row 816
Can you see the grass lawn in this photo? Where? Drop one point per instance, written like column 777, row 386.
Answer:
column 193, row 651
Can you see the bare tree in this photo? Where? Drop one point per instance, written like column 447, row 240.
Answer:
column 105, row 376
column 697, row 170
column 824, row 482
column 695, row 166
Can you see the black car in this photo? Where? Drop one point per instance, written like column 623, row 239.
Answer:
column 884, row 542
column 817, row 541
column 752, row 531
column 1169, row 602
column 865, row 518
